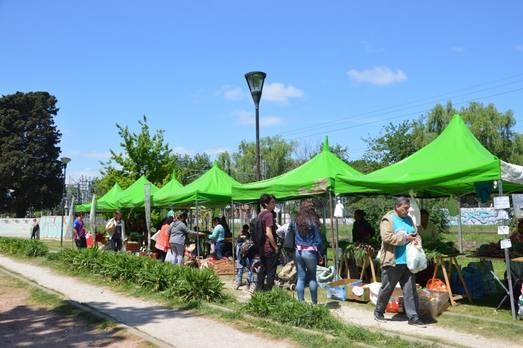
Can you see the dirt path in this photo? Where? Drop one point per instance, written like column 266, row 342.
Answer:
column 431, row 332
column 25, row 321
column 177, row 328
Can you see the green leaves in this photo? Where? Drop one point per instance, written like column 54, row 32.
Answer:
column 23, row 247
column 278, row 305
column 29, row 153
column 184, row 283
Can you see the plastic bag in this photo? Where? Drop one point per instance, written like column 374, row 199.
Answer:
column 169, row 257
column 431, row 304
column 416, row 259
column 414, row 211
column 393, row 306
column 436, row 285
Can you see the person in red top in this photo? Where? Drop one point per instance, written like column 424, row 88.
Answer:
column 269, row 257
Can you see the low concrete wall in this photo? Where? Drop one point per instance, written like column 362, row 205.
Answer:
column 50, row 227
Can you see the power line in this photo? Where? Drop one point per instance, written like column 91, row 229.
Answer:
column 393, row 109
column 404, row 115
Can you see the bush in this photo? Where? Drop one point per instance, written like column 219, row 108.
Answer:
column 23, row 247
column 187, row 284
column 278, row 305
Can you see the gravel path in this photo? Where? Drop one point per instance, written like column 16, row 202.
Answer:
column 365, row 318
column 177, row 328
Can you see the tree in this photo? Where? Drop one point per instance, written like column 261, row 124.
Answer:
column 494, row 129
column 188, row 169
column 142, row 154
column 276, row 159
column 396, row 143
column 29, row 153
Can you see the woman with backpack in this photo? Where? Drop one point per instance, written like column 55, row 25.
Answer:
column 308, row 245
column 244, row 249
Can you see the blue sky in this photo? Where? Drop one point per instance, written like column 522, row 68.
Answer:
column 337, row 68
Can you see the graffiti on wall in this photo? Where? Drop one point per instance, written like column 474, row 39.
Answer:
column 479, row 216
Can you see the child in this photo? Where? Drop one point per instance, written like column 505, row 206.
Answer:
column 245, row 259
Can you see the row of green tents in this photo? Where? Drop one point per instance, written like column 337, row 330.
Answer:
column 453, row 164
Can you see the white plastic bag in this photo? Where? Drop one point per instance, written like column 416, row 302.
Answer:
column 169, row 257
column 414, row 211
column 416, row 259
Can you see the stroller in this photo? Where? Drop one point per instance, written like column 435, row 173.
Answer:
column 287, row 276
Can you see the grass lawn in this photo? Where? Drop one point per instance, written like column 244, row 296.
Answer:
column 54, row 245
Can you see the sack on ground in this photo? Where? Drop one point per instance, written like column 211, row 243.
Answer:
column 416, row 259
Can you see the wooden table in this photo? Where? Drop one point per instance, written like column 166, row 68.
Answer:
column 440, row 261
column 368, row 261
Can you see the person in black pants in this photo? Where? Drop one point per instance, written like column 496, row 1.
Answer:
column 269, row 252
column 116, row 227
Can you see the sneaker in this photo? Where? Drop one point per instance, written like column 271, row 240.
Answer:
column 236, row 285
column 248, row 286
column 417, row 322
column 379, row 317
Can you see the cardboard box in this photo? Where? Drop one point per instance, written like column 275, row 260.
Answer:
column 348, row 285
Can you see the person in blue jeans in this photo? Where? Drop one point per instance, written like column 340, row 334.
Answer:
column 217, row 236
column 308, row 247
column 244, row 259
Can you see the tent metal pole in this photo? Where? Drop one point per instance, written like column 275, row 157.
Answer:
column 233, row 244
column 460, row 227
column 333, row 235
column 197, row 232
column 507, row 264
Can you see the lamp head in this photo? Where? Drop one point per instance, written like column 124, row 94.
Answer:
column 255, row 80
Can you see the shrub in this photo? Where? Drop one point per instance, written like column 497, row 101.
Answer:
column 24, row 247
column 278, row 305
column 187, row 284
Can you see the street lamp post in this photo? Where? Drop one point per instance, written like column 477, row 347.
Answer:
column 255, row 81
column 64, row 160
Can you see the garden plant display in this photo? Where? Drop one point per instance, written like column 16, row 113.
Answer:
column 438, row 248
column 494, row 250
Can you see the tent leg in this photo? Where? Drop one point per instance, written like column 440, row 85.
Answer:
column 233, row 244
column 460, row 227
column 197, row 234
column 333, row 235
column 507, row 264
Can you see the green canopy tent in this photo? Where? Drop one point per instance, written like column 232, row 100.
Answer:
column 172, row 186
column 452, row 164
column 212, row 189
column 106, row 203
column 314, row 177
column 134, row 195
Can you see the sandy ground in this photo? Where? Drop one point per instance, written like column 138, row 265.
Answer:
column 23, row 323
column 176, row 328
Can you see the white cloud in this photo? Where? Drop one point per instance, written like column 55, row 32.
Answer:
column 457, row 49
column 230, row 92
column 279, row 92
column 248, row 118
column 379, row 75
column 518, row 47
column 101, row 155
